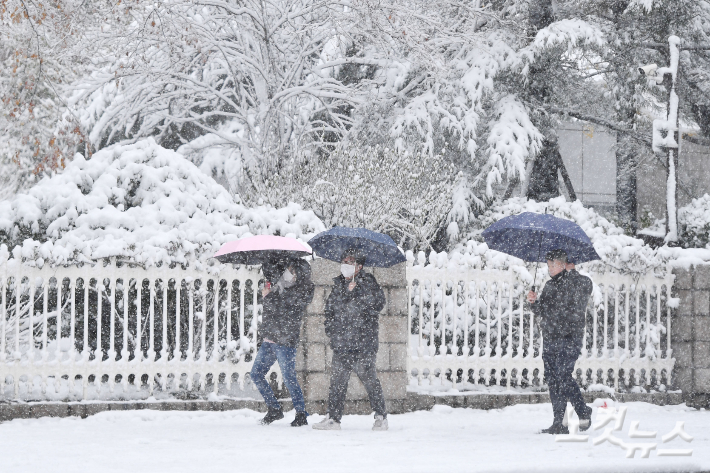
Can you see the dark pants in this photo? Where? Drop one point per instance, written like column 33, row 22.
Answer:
column 364, row 366
column 269, row 353
column 559, row 357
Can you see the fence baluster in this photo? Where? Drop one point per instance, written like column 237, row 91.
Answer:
column 163, row 347
column 100, row 313
column 177, row 355
column 466, row 352
column 255, row 314
column 420, row 351
column 215, row 323
column 138, row 345
column 151, row 331
column 476, row 346
column 242, row 328
column 432, row 345
column 72, row 323
column 454, row 334
column 31, row 332
column 228, row 376
column 521, row 332
column 85, row 347
column 111, row 293
column 126, row 290
column 616, row 321
column 657, row 290
column 499, row 322
column 626, row 320
column 442, row 324
column 509, row 346
column 203, row 339
column 58, row 337
column 606, row 323
column 488, row 321
column 595, row 352
column 647, row 338
column 191, row 322
column 531, row 339
column 669, row 350
column 637, row 348
column 229, row 323
column 3, row 288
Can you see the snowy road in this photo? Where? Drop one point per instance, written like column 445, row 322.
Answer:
column 443, row 440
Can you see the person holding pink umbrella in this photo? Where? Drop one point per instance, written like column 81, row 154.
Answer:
column 287, row 292
column 284, row 305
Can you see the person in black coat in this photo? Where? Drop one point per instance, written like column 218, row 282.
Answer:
column 352, row 313
column 561, row 308
column 284, row 304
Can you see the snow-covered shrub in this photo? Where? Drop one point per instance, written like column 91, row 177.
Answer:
column 694, row 223
column 139, row 202
column 407, row 196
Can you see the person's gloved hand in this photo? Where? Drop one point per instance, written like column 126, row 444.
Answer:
column 532, row 297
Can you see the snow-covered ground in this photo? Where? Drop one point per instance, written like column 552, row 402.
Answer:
column 443, row 440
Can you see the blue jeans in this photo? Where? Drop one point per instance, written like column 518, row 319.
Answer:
column 268, row 354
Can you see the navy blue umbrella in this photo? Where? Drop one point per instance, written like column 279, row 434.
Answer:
column 529, row 236
column 380, row 250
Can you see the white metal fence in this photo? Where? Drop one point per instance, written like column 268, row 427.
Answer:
column 78, row 331
column 470, row 326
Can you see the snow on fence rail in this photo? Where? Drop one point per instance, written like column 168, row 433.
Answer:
column 471, row 326
column 80, row 330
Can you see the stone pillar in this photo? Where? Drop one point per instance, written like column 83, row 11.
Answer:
column 690, row 335
column 314, row 354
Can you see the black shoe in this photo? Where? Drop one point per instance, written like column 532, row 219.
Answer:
column 271, row 416
column 555, row 429
column 300, row 420
column 585, row 424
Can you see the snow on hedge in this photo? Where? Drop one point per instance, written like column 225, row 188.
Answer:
column 694, row 220
column 138, row 202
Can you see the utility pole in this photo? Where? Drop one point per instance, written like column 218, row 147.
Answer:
column 666, row 132
column 666, row 136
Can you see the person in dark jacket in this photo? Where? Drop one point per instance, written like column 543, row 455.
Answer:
column 284, row 304
column 352, row 313
column 561, row 308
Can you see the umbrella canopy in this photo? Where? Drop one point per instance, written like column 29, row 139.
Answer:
column 529, row 236
column 261, row 249
column 380, row 250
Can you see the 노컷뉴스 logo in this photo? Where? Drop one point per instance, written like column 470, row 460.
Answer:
column 611, row 419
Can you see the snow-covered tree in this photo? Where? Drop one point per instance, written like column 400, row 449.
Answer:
column 406, row 196
column 255, row 77
column 241, row 88
column 38, row 134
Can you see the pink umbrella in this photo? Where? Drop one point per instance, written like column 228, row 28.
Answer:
column 260, row 249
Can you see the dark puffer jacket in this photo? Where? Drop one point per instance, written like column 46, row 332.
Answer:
column 352, row 318
column 562, row 306
column 283, row 311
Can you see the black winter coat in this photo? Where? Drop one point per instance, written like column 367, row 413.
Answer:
column 352, row 318
column 283, row 311
column 562, row 306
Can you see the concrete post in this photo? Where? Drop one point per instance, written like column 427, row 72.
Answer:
column 314, row 354
column 690, row 335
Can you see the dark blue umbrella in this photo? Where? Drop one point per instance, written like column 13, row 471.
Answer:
column 529, row 236
column 380, row 250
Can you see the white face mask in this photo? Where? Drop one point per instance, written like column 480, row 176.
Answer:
column 347, row 270
column 288, row 276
